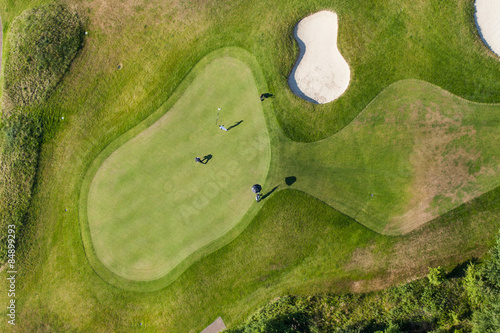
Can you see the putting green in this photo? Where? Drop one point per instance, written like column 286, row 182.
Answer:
column 150, row 206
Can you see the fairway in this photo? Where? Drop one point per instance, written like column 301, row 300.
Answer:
column 150, row 205
column 415, row 153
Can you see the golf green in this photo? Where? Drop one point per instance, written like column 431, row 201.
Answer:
column 150, row 205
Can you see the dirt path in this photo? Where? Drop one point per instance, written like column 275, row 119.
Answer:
column 215, row 327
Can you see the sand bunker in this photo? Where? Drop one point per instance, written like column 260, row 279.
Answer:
column 488, row 23
column 321, row 74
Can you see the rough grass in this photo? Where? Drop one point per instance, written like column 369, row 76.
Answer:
column 18, row 164
column 41, row 45
column 43, row 42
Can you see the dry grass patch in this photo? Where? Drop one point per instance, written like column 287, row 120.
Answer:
column 441, row 167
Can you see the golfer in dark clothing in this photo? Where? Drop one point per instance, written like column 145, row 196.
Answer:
column 197, row 159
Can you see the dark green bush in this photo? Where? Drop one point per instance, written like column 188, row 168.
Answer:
column 436, row 275
column 487, row 290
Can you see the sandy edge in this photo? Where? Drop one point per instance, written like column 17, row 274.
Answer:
column 487, row 18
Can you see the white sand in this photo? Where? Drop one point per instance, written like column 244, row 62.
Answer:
column 488, row 23
column 321, row 74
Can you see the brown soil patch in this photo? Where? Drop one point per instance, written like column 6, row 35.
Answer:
column 362, row 259
column 440, row 164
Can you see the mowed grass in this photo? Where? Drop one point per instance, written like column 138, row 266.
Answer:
column 158, row 43
column 281, row 252
column 413, row 154
column 150, row 206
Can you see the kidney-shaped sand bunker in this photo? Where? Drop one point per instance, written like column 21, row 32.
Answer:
column 321, row 74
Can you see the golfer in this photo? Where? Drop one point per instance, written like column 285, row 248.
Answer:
column 197, row 159
column 223, row 128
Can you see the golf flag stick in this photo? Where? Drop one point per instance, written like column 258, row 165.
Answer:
column 217, row 120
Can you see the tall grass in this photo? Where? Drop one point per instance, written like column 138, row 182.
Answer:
column 17, row 170
column 41, row 45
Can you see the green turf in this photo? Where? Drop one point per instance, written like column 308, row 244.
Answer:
column 150, row 206
column 413, row 154
column 296, row 244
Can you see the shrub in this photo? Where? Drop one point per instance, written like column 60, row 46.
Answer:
column 487, row 317
column 436, row 275
column 473, row 284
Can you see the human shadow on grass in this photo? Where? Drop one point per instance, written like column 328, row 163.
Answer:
column 268, row 193
column 236, row 124
column 265, row 95
column 290, row 180
column 206, row 158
